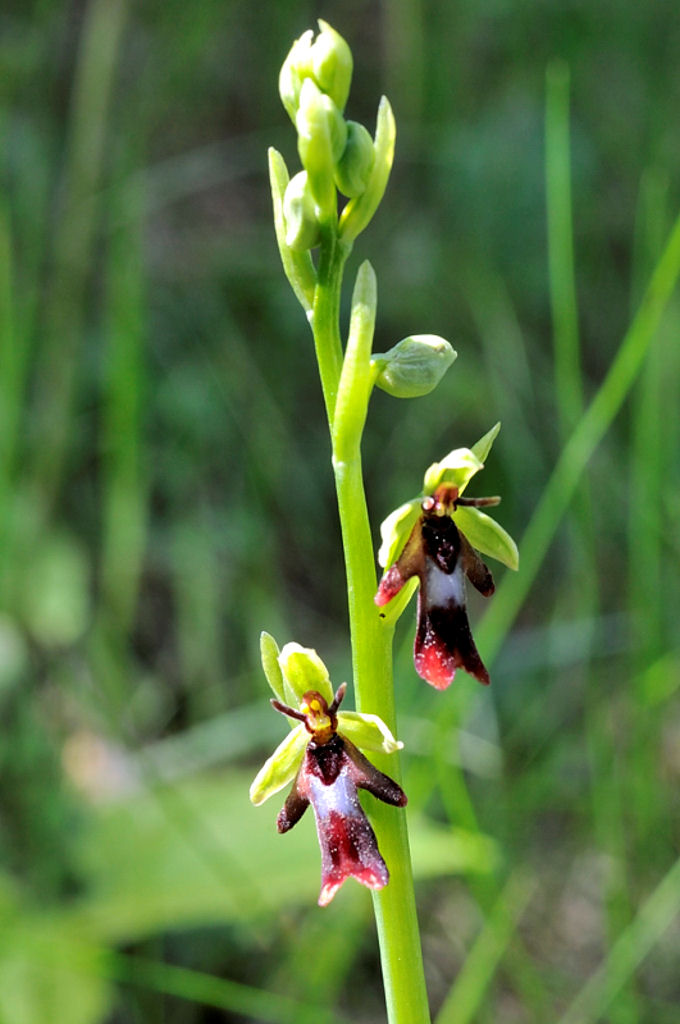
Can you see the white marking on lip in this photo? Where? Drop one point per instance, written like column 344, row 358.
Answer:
column 340, row 796
column 444, row 589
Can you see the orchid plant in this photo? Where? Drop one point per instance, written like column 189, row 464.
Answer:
column 433, row 540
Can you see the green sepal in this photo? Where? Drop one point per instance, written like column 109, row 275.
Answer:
column 298, row 266
column 358, row 212
column 303, row 670
column 461, row 464
column 396, row 529
column 456, row 468
column 279, row 769
column 269, row 656
column 485, row 534
column 482, row 447
column 368, row 732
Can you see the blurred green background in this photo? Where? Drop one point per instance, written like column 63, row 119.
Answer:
column 165, row 494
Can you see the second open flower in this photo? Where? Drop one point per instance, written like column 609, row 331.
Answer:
column 435, row 538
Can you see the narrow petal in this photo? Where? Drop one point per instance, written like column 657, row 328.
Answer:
column 368, row 732
column 475, row 569
column 295, row 806
column 487, row 536
column 366, row 776
column 280, row 768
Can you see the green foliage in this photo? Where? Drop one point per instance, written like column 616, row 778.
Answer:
column 162, row 454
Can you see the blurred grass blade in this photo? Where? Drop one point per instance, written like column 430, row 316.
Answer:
column 628, row 952
column 221, row 993
column 124, row 478
column 608, row 823
column 333, row 944
column 11, row 383
column 508, row 371
column 588, row 433
column 63, row 315
column 651, row 465
column 561, row 248
column 467, row 993
column 648, row 457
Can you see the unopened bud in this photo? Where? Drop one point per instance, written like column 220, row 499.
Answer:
column 299, row 211
column 321, row 134
column 296, row 67
column 332, row 64
column 414, row 366
column 327, row 60
column 353, row 171
column 337, row 127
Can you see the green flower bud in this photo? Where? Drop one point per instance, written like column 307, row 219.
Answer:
column 414, row 366
column 296, row 67
column 298, row 266
column 332, row 64
column 337, row 127
column 327, row 61
column 299, row 211
column 353, row 170
column 320, row 135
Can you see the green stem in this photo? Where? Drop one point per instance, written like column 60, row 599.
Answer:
column 394, row 906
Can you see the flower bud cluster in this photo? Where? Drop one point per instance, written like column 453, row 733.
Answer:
column 337, row 155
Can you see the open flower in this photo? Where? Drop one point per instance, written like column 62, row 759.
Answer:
column 327, row 767
column 435, row 538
